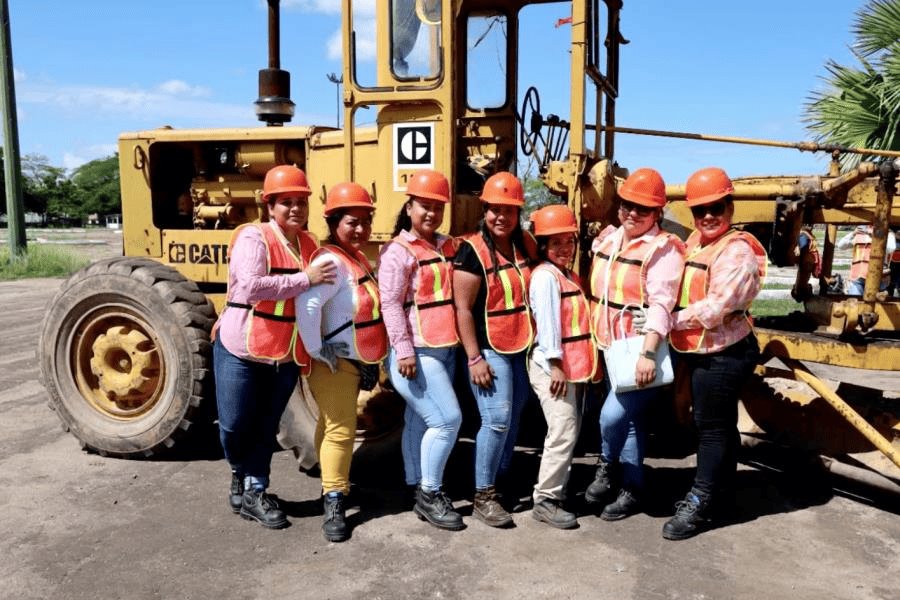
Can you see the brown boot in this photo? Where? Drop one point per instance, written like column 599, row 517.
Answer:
column 487, row 508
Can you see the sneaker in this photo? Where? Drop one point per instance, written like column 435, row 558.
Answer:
column 553, row 514
column 690, row 518
column 257, row 505
column 487, row 509
column 334, row 528
column 602, row 484
column 624, row 506
column 436, row 508
column 236, row 493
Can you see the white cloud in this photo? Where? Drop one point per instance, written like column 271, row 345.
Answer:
column 330, row 7
column 18, row 75
column 176, row 87
column 72, row 161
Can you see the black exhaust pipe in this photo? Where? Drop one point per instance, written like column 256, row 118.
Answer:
column 274, row 106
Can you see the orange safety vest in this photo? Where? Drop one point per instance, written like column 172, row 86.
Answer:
column 272, row 329
column 695, row 285
column 895, row 256
column 813, row 249
column 506, row 313
column 862, row 247
column 627, row 284
column 369, row 333
column 433, row 299
column 579, row 355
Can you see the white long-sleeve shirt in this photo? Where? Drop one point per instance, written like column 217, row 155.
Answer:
column 544, row 298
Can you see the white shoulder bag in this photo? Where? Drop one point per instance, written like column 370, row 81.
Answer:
column 622, row 355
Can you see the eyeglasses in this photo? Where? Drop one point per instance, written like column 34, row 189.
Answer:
column 716, row 209
column 639, row 210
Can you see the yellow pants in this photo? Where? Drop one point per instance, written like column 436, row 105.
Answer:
column 335, row 394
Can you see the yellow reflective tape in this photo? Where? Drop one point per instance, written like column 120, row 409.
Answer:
column 576, row 330
column 507, row 289
column 374, row 294
column 685, row 298
column 621, row 271
column 437, row 288
column 279, row 308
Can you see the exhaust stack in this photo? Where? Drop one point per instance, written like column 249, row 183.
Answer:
column 274, row 105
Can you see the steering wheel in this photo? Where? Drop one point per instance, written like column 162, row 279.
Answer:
column 530, row 122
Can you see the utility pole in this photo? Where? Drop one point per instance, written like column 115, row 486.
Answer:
column 15, row 210
column 337, row 81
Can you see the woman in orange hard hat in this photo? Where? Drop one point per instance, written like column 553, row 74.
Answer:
column 713, row 334
column 342, row 329
column 257, row 353
column 633, row 285
column 563, row 357
column 415, row 282
column 490, row 285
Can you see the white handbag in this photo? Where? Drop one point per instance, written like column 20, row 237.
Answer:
column 622, row 355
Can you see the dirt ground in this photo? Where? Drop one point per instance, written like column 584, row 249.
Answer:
column 77, row 525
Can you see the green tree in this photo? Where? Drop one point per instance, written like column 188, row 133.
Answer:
column 861, row 105
column 42, row 183
column 97, row 187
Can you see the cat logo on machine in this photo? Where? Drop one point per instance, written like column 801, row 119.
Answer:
column 413, row 150
column 198, row 254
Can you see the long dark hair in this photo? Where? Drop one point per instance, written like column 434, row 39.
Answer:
column 404, row 222
column 517, row 238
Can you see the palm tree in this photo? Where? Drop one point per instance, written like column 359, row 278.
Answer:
column 861, row 105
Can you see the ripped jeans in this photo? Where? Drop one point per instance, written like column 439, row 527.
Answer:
column 500, row 408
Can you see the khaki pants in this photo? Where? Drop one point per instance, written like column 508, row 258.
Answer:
column 335, row 394
column 563, row 416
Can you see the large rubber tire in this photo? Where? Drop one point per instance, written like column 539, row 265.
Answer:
column 125, row 356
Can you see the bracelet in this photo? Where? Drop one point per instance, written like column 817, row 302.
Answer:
column 476, row 360
column 651, row 354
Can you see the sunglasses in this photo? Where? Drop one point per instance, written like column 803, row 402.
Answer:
column 638, row 209
column 716, row 209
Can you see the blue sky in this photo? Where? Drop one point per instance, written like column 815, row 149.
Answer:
column 86, row 71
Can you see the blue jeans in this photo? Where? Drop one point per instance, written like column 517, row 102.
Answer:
column 856, row 287
column 432, row 416
column 250, row 397
column 500, row 407
column 623, row 432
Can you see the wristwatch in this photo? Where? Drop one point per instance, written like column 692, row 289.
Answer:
column 651, row 354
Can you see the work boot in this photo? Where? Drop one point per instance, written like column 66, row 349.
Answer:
column 691, row 517
column 236, row 494
column 257, row 505
column 335, row 527
column 553, row 514
column 624, row 506
column 602, row 484
column 436, row 508
column 487, row 508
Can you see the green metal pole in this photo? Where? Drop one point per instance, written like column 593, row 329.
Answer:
column 15, row 209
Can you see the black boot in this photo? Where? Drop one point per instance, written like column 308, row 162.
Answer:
column 552, row 513
column 236, row 494
column 488, row 509
column 624, row 506
column 436, row 508
column 691, row 517
column 258, row 506
column 335, row 527
column 602, row 484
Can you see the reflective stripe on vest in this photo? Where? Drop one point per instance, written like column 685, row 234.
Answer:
column 506, row 313
column 626, row 285
column 695, row 285
column 369, row 333
column 433, row 298
column 272, row 328
column 579, row 355
column 862, row 248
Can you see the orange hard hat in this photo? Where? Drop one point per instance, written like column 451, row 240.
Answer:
column 553, row 219
column 347, row 195
column 284, row 179
column 645, row 187
column 429, row 184
column 706, row 186
column 503, row 188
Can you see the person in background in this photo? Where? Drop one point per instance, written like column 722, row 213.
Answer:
column 415, row 282
column 634, row 281
column 894, row 266
column 342, row 329
column 490, row 286
column 713, row 334
column 562, row 358
column 810, row 260
column 257, row 353
column 861, row 240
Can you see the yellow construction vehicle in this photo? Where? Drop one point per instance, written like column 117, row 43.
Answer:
column 125, row 351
